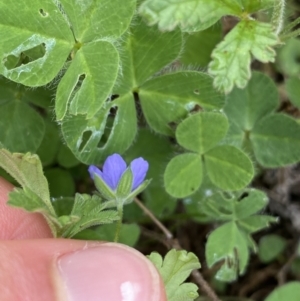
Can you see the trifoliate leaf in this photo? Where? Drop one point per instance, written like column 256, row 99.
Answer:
column 232, row 57
column 87, row 212
column 174, row 269
column 231, row 241
column 196, row 15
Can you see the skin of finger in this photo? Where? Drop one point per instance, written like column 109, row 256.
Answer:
column 16, row 223
column 29, row 268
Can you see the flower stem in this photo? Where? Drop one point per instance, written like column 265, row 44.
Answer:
column 278, row 16
column 119, row 223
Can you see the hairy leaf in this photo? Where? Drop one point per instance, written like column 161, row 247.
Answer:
column 232, row 57
column 174, row 269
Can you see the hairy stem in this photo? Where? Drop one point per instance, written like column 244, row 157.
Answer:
column 119, row 223
column 278, row 16
column 290, row 26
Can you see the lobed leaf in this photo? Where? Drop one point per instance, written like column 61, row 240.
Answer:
column 232, row 57
column 174, row 269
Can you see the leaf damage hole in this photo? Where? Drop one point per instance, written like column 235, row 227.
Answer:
column 43, row 13
column 196, row 91
column 25, row 57
column 85, row 138
column 78, row 85
column 113, row 112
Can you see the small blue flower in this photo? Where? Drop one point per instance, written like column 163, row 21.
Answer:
column 114, row 167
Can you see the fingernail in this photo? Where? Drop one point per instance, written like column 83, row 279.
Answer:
column 109, row 272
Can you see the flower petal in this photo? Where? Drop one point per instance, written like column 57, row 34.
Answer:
column 113, row 168
column 139, row 168
column 94, row 170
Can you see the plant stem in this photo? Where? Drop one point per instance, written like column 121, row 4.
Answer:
column 290, row 35
column 199, row 279
column 290, row 26
column 119, row 223
column 278, row 16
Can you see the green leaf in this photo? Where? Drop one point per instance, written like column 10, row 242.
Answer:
column 174, row 269
column 88, row 139
column 87, row 212
column 292, row 86
column 39, row 24
column 270, row 247
column 29, row 201
column 140, row 56
column 228, row 167
column 196, row 15
column 288, row 58
column 47, row 150
column 167, row 99
column 201, row 132
column 191, row 16
column 229, row 244
column 66, row 158
column 256, row 223
column 98, row 18
column 289, row 291
column 245, row 107
column 21, row 127
column 27, row 170
column 88, row 78
column 232, row 57
column 198, row 46
column 276, row 141
column 61, row 182
column 183, row 175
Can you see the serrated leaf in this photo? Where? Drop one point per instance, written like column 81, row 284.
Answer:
column 228, row 167
column 200, row 132
column 29, row 201
column 289, row 291
column 229, row 244
column 276, row 141
column 88, row 211
column 40, row 24
column 183, row 175
column 27, row 170
column 196, row 15
column 191, row 16
column 245, row 107
column 174, row 269
column 232, row 57
column 167, row 99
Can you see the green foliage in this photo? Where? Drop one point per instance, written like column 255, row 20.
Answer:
column 174, row 269
column 293, row 90
column 227, row 167
column 196, row 15
column 254, row 124
column 232, row 57
column 231, row 241
column 270, row 247
column 289, row 291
